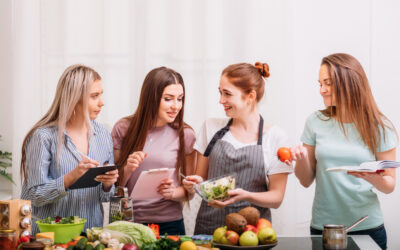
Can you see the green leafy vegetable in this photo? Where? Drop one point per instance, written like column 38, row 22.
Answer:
column 140, row 234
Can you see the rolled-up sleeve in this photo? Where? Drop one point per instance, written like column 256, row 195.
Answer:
column 41, row 188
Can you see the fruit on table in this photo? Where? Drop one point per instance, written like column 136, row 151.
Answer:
column 251, row 214
column 235, row 222
column 232, row 237
column 266, row 235
column 218, row 234
column 248, row 238
column 262, row 223
column 251, row 228
column 284, row 154
column 129, row 246
column 188, row 245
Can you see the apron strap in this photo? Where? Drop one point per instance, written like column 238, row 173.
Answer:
column 225, row 129
column 216, row 137
column 260, row 131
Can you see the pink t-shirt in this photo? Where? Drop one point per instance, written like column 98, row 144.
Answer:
column 162, row 144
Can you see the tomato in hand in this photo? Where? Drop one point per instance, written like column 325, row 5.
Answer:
column 284, row 154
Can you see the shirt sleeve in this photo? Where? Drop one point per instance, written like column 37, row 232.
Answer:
column 42, row 188
column 389, row 139
column 118, row 132
column 190, row 139
column 308, row 136
column 278, row 139
column 202, row 140
column 105, row 196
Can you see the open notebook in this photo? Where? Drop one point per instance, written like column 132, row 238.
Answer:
column 370, row 166
column 148, row 181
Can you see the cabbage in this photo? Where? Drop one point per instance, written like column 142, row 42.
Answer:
column 138, row 232
column 120, row 236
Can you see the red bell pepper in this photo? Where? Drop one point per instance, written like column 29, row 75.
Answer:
column 156, row 229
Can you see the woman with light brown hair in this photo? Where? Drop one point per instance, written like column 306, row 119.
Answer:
column 349, row 131
column 155, row 136
column 241, row 143
column 63, row 145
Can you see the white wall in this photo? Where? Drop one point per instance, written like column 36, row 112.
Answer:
column 124, row 39
column 6, row 105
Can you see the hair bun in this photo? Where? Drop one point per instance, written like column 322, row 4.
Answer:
column 263, row 68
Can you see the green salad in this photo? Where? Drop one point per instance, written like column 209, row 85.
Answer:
column 217, row 189
column 62, row 220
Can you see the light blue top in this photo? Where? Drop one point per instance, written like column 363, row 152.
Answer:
column 341, row 198
column 45, row 182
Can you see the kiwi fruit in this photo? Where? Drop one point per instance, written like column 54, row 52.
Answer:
column 235, row 222
column 251, row 214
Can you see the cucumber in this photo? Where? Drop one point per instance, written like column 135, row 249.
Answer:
column 89, row 247
column 99, row 247
column 81, row 244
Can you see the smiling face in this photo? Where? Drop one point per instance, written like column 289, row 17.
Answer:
column 170, row 104
column 326, row 86
column 234, row 101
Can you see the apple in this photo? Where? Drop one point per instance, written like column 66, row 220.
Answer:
column 248, row 238
column 251, row 228
column 263, row 223
column 232, row 237
column 267, row 235
column 218, row 234
column 129, row 246
column 224, row 240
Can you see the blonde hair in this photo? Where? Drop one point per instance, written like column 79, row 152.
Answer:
column 72, row 88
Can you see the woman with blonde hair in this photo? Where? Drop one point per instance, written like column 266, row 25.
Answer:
column 63, row 145
column 349, row 131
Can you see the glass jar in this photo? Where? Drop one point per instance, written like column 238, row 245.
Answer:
column 7, row 239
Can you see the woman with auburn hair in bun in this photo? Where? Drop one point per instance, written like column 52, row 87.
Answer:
column 242, row 143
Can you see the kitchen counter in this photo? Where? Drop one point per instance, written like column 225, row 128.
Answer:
column 314, row 242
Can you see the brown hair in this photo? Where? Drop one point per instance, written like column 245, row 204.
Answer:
column 145, row 117
column 248, row 77
column 354, row 99
column 72, row 87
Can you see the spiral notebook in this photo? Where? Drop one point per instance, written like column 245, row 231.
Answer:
column 148, row 181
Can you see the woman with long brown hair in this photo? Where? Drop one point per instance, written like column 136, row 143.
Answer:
column 241, row 143
column 155, row 136
column 63, row 145
column 349, row 131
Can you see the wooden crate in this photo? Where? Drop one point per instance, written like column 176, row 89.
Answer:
column 11, row 215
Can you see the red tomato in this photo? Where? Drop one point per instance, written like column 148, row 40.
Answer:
column 72, row 243
column 284, row 154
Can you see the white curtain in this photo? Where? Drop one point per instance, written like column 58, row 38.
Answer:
column 123, row 40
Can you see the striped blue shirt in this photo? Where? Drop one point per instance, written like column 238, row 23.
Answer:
column 44, row 185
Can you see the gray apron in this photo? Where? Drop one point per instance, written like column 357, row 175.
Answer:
column 247, row 162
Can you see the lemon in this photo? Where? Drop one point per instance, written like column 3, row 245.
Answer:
column 188, row 245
